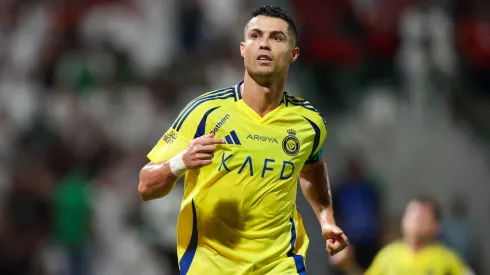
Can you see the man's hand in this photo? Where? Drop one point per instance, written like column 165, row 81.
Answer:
column 200, row 151
column 336, row 240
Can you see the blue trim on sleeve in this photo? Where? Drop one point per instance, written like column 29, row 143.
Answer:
column 186, row 260
column 201, row 129
column 316, row 140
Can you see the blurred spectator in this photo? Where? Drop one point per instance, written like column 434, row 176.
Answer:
column 426, row 50
column 331, row 40
column 418, row 252
column 458, row 232
column 190, row 21
column 357, row 205
column 26, row 220
column 72, row 223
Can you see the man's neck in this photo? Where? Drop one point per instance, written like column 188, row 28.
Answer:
column 262, row 98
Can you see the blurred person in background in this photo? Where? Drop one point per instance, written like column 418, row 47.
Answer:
column 417, row 253
column 357, row 207
column 239, row 213
column 426, row 55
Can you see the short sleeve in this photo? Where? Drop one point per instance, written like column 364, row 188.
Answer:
column 178, row 136
column 171, row 143
column 320, row 127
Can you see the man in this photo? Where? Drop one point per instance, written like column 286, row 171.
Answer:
column 418, row 252
column 242, row 150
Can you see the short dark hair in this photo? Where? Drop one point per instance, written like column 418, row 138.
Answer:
column 277, row 12
column 436, row 207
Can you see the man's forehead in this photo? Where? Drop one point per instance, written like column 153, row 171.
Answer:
column 267, row 24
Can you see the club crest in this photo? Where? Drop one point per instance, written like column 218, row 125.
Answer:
column 290, row 144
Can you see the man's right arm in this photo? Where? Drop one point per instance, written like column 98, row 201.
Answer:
column 157, row 179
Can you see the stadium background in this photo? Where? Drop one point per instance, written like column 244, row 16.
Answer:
column 88, row 86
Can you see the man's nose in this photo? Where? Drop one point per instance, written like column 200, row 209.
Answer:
column 264, row 45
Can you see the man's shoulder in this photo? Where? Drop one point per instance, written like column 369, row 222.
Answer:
column 304, row 108
column 216, row 97
column 393, row 247
column 443, row 250
column 204, row 104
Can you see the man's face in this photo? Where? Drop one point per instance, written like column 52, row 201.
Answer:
column 268, row 48
column 419, row 222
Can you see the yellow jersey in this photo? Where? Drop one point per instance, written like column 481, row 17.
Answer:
column 399, row 259
column 238, row 214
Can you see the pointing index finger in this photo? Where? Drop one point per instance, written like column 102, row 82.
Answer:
column 211, row 140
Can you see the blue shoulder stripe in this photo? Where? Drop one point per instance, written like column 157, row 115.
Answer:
column 206, row 95
column 228, row 94
column 304, row 105
column 197, row 101
column 295, row 99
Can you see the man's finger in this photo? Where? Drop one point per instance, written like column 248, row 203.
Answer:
column 209, row 140
column 207, row 148
column 205, row 162
column 337, row 231
column 204, row 156
column 332, row 244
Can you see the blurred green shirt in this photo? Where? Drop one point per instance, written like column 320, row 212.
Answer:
column 72, row 210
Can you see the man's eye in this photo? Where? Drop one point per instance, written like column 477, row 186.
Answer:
column 278, row 38
column 255, row 35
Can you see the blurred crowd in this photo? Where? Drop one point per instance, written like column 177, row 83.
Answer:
column 88, row 86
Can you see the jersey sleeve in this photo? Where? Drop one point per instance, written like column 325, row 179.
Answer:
column 320, row 126
column 178, row 136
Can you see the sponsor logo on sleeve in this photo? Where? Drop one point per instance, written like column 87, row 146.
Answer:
column 170, row 137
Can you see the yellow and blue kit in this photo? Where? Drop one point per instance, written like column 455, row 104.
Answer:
column 238, row 214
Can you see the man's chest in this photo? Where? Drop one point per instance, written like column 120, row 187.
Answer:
column 277, row 148
column 420, row 264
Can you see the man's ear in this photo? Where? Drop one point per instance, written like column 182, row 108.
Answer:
column 242, row 48
column 295, row 54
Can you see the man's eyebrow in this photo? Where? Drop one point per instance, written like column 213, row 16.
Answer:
column 278, row 32
column 255, row 30
column 272, row 32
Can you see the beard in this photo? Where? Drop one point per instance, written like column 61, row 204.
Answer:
column 262, row 74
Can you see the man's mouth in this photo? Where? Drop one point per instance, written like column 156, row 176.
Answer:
column 264, row 57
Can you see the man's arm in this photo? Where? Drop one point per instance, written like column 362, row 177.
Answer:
column 315, row 185
column 158, row 179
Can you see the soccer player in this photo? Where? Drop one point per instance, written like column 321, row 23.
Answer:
column 417, row 253
column 242, row 150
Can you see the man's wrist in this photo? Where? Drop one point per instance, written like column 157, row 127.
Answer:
column 326, row 216
column 177, row 165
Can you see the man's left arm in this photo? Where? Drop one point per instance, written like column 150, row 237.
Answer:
column 315, row 185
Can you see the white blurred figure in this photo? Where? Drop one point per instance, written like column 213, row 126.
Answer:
column 426, row 48
column 144, row 28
